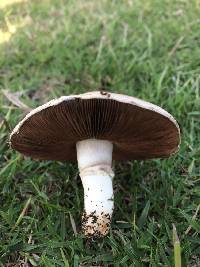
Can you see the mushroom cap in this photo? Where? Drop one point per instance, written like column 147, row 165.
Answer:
column 137, row 129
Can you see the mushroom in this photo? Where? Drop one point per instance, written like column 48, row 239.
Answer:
column 95, row 128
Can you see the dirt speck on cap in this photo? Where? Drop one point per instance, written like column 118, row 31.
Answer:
column 105, row 93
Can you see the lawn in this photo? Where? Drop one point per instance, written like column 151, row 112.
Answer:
column 148, row 49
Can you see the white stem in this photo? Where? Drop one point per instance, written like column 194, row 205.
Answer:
column 94, row 161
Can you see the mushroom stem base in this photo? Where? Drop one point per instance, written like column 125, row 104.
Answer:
column 94, row 225
column 98, row 202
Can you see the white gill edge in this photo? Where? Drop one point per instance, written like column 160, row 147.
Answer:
column 99, row 95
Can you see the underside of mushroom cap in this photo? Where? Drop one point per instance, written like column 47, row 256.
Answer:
column 137, row 129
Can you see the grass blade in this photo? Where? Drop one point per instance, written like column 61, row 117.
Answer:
column 22, row 213
column 177, row 248
column 144, row 215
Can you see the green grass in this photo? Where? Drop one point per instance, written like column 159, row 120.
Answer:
column 148, row 49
